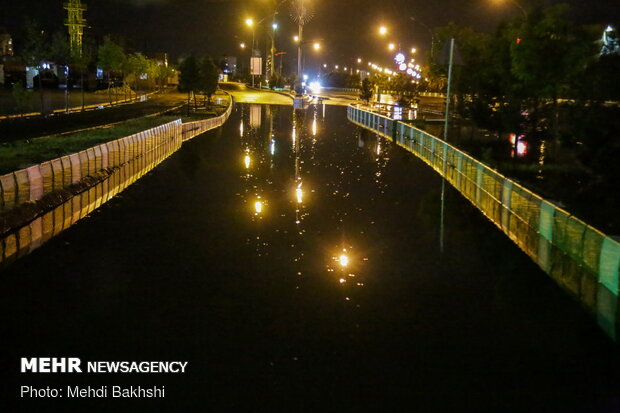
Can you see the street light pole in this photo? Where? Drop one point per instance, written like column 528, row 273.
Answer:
column 299, row 56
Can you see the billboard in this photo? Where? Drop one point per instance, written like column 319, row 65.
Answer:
column 256, row 66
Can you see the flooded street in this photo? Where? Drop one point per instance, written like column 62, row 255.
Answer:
column 293, row 260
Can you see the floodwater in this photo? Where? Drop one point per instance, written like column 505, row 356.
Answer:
column 293, row 261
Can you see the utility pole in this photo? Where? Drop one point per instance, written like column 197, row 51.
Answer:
column 445, row 138
column 76, row 23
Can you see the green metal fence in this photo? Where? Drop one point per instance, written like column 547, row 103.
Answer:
column 581, row 259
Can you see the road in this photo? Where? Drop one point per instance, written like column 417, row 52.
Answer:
column 292, row 260
column 245, row 94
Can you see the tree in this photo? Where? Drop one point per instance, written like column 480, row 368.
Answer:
column 208, row 77
column 21, row 97
column 404, row 88
column 34, row 50
column 162, row 73
column 549, row 54
column 60, row 53
column 366, row 92
column 111, row 58
column 82, row 59
column 189, row 78
column 135, row 66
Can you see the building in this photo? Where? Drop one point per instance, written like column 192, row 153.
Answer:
column 228, row 65
column 6, row 43
column 610, row 42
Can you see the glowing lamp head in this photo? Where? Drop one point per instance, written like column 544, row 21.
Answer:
column 383, row 30
column 343, row 260
column 249, row 22
column 258, row 206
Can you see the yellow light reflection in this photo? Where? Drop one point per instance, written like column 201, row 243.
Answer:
column 241, row 129
column 300, row 193
column 344, row 260
column 314, row 127
column 247, row 160
column 258, row 206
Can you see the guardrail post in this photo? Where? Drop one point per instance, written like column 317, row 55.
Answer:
column 545, row 230
column 607, row 296
column 479, row 179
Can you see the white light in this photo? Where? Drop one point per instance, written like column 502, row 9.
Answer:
column 275, row 26
column 273, row 147
column 344, row 260
column 402, row 66
column 315, row 86
column 305, row 77
column 400, row 58
column 247, row 161
column 299, row 193
column 258, row 207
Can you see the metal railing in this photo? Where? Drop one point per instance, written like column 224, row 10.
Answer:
column 580, row 258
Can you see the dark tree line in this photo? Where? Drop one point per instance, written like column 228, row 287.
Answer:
column 540, row 75
column 199, row 76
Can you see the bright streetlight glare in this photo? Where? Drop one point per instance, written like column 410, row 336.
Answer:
column 413, row 50
column 336, row 66
column 242, row 45
column 249, row 22
column 296, row 38
column 383, row 30
column 324, row 64
column 391, row 46
column 316, row 46
column 275, row 26
column 359, row 60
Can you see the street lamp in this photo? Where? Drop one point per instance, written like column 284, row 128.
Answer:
column 316, row 46
column 391, row 46
column 383, row 30
column 250, row 23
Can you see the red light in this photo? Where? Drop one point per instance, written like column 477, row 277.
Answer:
column 518, row 40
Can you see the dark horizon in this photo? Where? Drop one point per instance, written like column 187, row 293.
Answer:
column 216, row 27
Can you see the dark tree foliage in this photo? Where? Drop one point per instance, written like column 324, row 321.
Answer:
column 189, row 78
column 208, row 77
column 366, row 91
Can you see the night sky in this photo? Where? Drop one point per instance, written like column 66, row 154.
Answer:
column 348, row 27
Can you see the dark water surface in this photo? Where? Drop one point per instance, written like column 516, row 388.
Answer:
column 181, row 266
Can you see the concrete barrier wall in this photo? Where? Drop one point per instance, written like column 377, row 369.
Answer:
column 125, row 160
column 581, row 259
column 193, row 129
column 33, row 183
